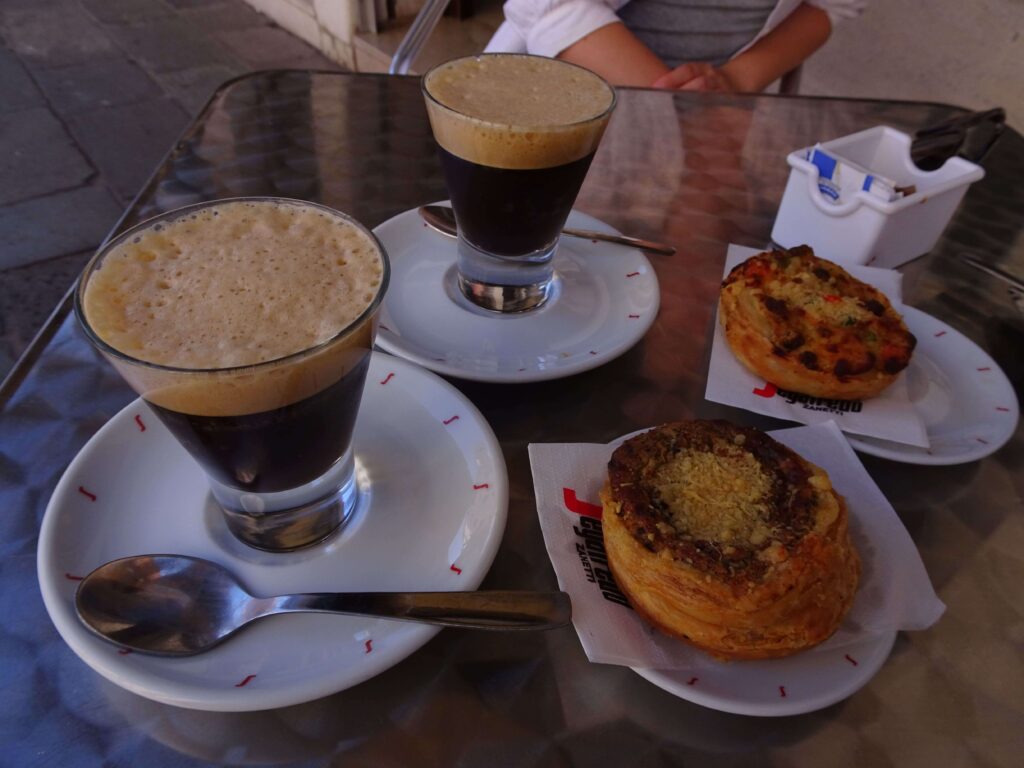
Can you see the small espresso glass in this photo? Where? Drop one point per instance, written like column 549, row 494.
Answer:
column 274, row 437
column 516, row 134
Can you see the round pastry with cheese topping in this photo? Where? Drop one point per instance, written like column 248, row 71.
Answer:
column 723, row 537
column 807, row 325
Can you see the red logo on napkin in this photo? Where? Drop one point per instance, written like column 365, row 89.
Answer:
column 579, row 506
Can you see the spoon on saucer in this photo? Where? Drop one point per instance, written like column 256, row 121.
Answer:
column 442, row 219
column 174, row 605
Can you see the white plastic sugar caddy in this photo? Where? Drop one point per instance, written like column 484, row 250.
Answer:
column 843, row 199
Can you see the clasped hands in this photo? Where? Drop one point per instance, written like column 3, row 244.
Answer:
column 696, row 76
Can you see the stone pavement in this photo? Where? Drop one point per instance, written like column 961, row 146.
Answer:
column 93, row 93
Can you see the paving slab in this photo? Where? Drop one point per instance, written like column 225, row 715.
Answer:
column 17, row 89
column 193, row 87
column 927, row 52
column 37, row 156
column 29, row 294
column 169, row 45
column 127, row 142
column 215, row 17
column 7, row 352
column 180, row 4
column 66, row 222
column 273, row 48
column 53, row 34
column 105, row 82
column 123, row 11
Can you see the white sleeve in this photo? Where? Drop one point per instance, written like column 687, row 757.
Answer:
column 551, row 26
column 506, row 40
column 839, row 9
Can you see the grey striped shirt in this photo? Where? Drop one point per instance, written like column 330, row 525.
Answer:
column 679, row 31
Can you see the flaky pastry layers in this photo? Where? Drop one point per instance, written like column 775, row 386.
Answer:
column 807, row 325
column 723, row 537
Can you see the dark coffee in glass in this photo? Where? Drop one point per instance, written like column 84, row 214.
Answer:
column 516, row 135
column 507, row 211
column 277, row 450
column 247, row 326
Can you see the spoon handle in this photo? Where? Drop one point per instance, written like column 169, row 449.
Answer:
column 633, row 242
column 475, row 610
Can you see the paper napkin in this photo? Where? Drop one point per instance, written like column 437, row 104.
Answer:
column 890, row 416
column 894, row 593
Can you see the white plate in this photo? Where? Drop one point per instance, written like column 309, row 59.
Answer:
column 431, row 517
column 805, row 682
column 606, row 297
column 967, row 403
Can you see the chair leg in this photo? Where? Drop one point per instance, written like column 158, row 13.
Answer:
column 416, row 37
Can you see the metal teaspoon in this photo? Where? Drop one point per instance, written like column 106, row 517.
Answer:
column 442, row 219
column 174, row 605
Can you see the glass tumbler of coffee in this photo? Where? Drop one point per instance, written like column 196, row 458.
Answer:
column 516, row 134
column 247, row 325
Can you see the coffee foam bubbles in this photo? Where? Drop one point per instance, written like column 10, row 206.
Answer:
column 233, row 285
column 517, row 111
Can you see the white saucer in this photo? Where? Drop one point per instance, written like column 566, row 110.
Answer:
column 805, row 682
column 431, row 517
column 606, row 297
column 968, row 405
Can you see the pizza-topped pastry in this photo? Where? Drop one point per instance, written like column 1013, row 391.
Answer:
column 807, row 325
column 723, row 537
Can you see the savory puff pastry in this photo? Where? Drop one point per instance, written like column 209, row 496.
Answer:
column 722, row 537
column 806, row 325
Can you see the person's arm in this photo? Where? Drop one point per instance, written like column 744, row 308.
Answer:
column 798, row 36
column 617, row 55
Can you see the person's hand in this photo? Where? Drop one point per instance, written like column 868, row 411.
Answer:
column 695, row 76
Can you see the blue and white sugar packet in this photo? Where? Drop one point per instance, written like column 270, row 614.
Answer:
column 839, row 179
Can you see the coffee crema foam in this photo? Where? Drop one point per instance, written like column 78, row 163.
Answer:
column 517, row 111
column 233, row 285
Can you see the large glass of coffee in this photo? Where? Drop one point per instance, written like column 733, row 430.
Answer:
column 247, row 326
column 516, row 135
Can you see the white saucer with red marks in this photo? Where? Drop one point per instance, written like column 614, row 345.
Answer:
column 431, row 517
column 605, row 297
column 968, row 405
column 814, row 679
